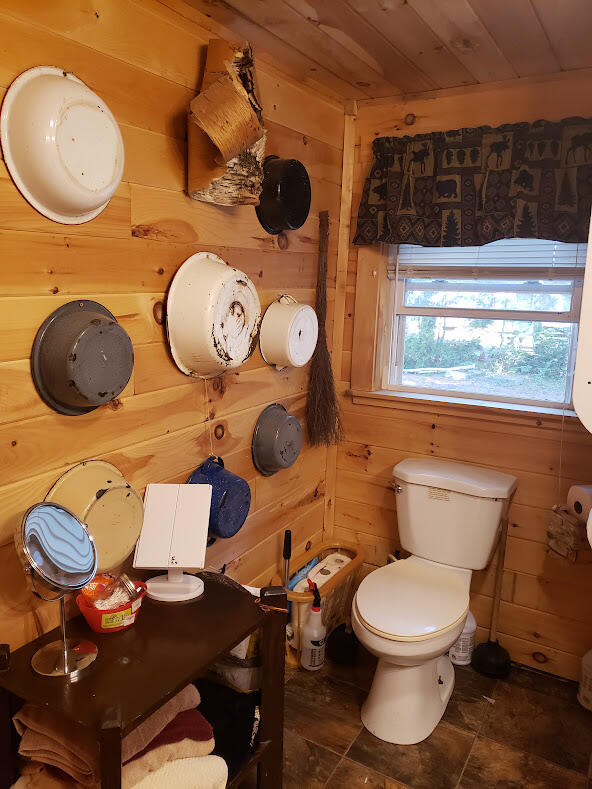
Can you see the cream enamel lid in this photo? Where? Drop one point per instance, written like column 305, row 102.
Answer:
column 98, row 494
column 410, row 600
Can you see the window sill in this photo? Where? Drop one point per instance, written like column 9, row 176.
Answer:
column 446, row 404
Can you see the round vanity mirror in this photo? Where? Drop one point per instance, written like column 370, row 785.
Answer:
column 60, row 556
column 58, row 547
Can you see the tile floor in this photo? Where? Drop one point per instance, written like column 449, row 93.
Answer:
column 526, row 731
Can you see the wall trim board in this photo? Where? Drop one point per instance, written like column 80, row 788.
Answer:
column 347, row 175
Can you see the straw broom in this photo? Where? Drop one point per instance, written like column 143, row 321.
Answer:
column 323, row 420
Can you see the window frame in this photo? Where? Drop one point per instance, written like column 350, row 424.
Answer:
column 379, row 300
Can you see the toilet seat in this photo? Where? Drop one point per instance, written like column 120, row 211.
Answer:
column 411, row 600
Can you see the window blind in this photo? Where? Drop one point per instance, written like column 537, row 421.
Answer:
column 500, row 259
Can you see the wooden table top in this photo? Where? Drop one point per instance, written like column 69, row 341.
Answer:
column 139, row 669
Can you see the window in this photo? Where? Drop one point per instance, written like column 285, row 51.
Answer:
column 496, row 323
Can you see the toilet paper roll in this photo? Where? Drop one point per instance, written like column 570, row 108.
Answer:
column 579, row 501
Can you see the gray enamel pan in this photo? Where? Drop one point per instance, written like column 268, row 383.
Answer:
column 277, row 440
column 81, row 358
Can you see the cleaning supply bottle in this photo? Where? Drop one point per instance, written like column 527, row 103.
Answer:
column 462, row 652
column 314, row 633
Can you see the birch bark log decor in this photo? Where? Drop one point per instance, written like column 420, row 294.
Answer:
column 226, row 138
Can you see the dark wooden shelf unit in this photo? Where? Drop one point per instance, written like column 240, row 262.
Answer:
column 139, row 669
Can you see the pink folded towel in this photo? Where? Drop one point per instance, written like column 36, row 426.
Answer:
column 52, row 740
column 187, row 725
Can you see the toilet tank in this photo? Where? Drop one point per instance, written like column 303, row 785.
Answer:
column 450, row 512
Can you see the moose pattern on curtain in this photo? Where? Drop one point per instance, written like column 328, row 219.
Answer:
column 471, row 186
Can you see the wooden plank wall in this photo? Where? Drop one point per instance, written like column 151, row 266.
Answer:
column 144, row 58
column 545, row 620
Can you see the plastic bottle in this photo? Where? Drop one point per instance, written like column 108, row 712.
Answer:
column 461, row 652
column 585, row 689
column 314, row 633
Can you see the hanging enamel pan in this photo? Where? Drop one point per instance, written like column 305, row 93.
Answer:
column 289, row 333
column 213, row 316
column 284, row 203
column 81, row 358
column 277, row 440
column 61, row 144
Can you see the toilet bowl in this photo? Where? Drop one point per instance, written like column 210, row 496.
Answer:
column 409, row 613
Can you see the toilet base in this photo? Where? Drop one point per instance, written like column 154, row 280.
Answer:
column 406, row 703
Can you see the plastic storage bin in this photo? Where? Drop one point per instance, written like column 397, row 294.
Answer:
column 111, row 620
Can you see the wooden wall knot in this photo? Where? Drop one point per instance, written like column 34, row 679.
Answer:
column 159, row 312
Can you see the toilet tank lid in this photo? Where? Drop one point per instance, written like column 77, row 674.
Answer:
column 460, row 477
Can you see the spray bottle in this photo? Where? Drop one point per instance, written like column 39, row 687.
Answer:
column 312, row 645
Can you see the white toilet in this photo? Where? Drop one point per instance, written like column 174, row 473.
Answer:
column 411, row 612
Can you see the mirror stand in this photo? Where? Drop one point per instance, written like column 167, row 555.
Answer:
column 65, row 658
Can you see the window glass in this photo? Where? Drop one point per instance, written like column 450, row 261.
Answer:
column 510, row 359
column 505, row 331
column 522, row 295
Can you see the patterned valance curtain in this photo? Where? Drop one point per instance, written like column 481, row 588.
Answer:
column 472, row 186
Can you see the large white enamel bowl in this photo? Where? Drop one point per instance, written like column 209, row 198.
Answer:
column 61, row 144
column 213, row 316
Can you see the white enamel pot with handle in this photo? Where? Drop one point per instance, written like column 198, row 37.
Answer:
column 213, row 316
column 289, row 333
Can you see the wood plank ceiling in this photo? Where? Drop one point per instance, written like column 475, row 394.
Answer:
column 368, row 49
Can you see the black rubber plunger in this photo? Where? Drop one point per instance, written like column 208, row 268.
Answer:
column 342, row 646
column 490, row 658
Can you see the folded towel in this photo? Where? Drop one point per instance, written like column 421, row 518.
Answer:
column 188, row 735
column 135, row 771
column 143, row 734
column 206, row 772
column 44, row 778
column 189, row 724
column 53, row 740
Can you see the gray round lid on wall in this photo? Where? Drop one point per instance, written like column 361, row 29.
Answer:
column 277, row 440
column 81, row 358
